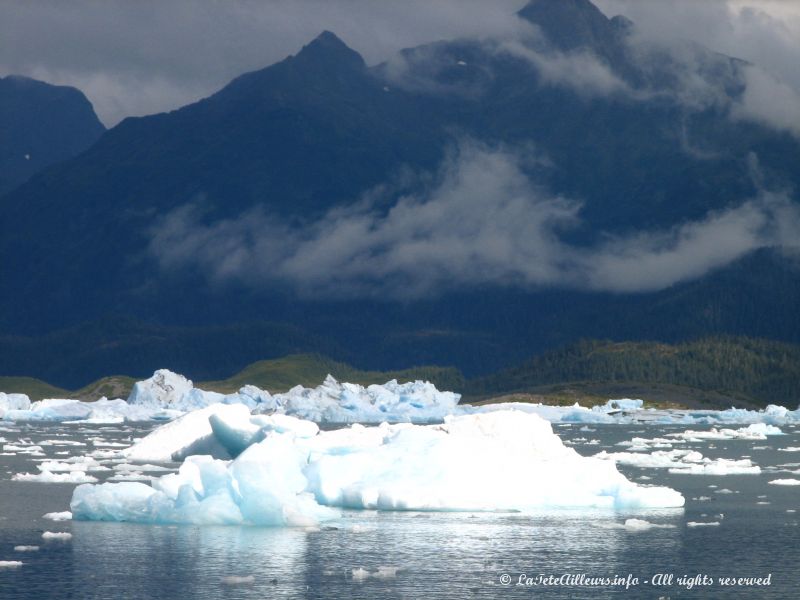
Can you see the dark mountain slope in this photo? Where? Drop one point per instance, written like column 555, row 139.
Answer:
column 41, row 124
column 281, row 146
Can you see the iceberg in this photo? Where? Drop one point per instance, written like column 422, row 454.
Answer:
column 334, row 402
column 188, row 434
column 167, row 395
column 300, row 476
column 13, row 402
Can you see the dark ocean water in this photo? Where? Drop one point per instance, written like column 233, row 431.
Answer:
column 437, row 555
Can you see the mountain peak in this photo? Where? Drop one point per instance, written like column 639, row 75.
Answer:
column 327, row 48
column 569, row 24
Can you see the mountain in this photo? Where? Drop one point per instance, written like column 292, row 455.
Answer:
column 170, row 223
column 41, row 124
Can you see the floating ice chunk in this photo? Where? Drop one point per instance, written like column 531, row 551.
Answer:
column 288, row 479
column 13, row 402
column 10, row 564
column 170, row 391
column 660, row 459
column 58, row 516
column 719, row 466
column 60, row 536
column 26, row 548
column 78, row 463
column 131, row 476
column 621, row 404
column 686, row 462
column 138, row 467
column 785, row 482
column 789, row 449
column 51, row 410
column 236, row 431
column 635, row 525
column 49, row 477
column 385, row 572
column 755, row 431
column 382, row 572
column 32, row 449
column 164, row 389
column 334, row 402
column 186, row 435
column 702, row 524
column 253, row 397
column 238, row 580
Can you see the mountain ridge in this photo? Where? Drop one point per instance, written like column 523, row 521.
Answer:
column 295, row 146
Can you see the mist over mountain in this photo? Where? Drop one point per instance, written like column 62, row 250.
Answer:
column 41, row 124
column 466, row 202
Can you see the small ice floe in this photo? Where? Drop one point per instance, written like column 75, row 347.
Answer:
column 58, row 516
column 58, row 536
column 635, row 525
column 131, row 476
column 62, row 443
column 789, row 449
column 764, row 502
column 702, row 498
column 33, row 450
column 755, row 431
column 10, row 564
column 720, row 466
column 76, row 463
column 383, row 572
column 785, row 482
column 638, row 444
column 702, row 524
column 49, row 477
column 684, row 462
column 727, row 491
column 461, row 63
column 145, row 467
column 238, row 580
column 26, row 548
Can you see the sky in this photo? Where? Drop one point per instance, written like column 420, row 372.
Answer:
column 137, row 58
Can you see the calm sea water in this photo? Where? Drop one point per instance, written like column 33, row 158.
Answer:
column 437, row 555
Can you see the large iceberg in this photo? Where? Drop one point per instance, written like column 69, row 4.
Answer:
column 291, row 474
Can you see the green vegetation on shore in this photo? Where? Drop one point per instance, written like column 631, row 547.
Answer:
column 712, row 372
column 709, row 371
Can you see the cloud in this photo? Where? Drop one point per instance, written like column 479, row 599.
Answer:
column 481, row 222
column 581, row 71
column 136, row 58
column 769, row 101
column 765, row 33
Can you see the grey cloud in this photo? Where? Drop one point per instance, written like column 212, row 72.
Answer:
column 581, row 71
column 483, row 222
column 765, row 33
column 135, row 58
